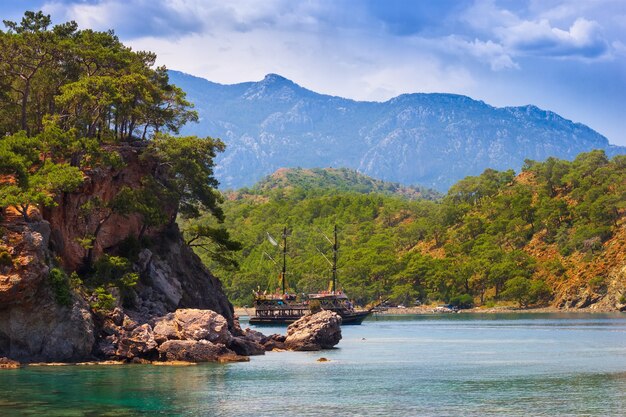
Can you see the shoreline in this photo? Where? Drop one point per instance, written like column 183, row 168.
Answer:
column 424, row 310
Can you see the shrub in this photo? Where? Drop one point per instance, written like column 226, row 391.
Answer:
column 102, row 300
column 462, row 301
column 75, row 281
column 597, row 284
column 130, row 247
column 5, row 258
column 61, row 286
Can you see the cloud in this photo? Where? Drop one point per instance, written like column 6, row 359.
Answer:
column 487, row 51
column 176, row 18
column 583, row 39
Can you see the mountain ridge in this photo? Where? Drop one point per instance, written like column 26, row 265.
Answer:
column 431, row 139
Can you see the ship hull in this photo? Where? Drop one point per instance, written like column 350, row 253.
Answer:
column 348, row 318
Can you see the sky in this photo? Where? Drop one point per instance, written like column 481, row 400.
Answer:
column 564, row 56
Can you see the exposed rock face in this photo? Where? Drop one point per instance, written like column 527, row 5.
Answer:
column 246, row 347
column 44, row 331
column 33, row 326
column 174, row 277
column 20, row 282
column 69, row 222
column 197, row 351
column 172, row 274
column 314, row 332
column 138, row 343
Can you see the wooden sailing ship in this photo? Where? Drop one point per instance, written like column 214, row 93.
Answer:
column 285, row 307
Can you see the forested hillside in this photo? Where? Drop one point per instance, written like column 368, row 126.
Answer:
column 552, row 234
column 318, row 181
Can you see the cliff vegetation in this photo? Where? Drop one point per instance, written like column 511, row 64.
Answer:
column 92, row 180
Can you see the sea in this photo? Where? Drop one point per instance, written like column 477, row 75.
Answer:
column 427, row 365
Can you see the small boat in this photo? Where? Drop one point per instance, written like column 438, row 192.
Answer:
column 284, row 307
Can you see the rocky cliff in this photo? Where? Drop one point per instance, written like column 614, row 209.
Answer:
column 34, row 326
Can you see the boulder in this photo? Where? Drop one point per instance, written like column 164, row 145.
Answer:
column 197, row 324
column 139, row 342
column 196, row 351
column 244, row 346
column 166, row 329
column 314, row 332
column 6, row 363
column 192, row 324
column 275, row 342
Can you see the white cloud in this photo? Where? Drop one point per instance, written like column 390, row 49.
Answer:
column 582, row 39
column 492, row 52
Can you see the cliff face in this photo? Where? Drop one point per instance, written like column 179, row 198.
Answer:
column 34, row 326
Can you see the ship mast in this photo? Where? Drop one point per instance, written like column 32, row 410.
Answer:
column 334, row 261
column 282, row 275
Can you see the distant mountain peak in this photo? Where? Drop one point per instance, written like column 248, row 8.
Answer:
column 432, row 139
column 275, row 78
column 273, row 87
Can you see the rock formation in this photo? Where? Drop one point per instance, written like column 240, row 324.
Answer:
column 6, row 363
column 314, row 332
column 34, row 326
column 189, row 335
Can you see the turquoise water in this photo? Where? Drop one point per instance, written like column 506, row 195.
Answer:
column 452, row 365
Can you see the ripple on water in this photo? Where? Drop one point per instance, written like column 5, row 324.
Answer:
column 514, row 365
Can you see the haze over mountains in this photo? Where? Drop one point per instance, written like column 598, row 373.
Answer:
column 427, row 139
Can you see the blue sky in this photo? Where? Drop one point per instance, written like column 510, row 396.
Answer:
column 565, row 56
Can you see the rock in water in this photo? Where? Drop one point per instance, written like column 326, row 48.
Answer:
column 247, row 347
column 197, row 351
column 192, row 324
column 314, row 332
column 137, row 343
column 6, row 363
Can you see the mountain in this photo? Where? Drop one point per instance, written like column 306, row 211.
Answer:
column 428, row 139
column 321, row 181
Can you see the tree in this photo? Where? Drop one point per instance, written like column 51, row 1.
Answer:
column 187, row 164
column 31, row 181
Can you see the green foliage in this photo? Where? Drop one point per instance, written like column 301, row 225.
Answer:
column 102, row 300
column 60, row 284
column 462, row 301
column 526, row 292
column 5, row 258
column 75, row 281
column 214, row 241
column 189, row 163
column 472, row 242
column 598, row 284
column 114, row 270
column 35, row 182
column 299, row 183
column 97, row 86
